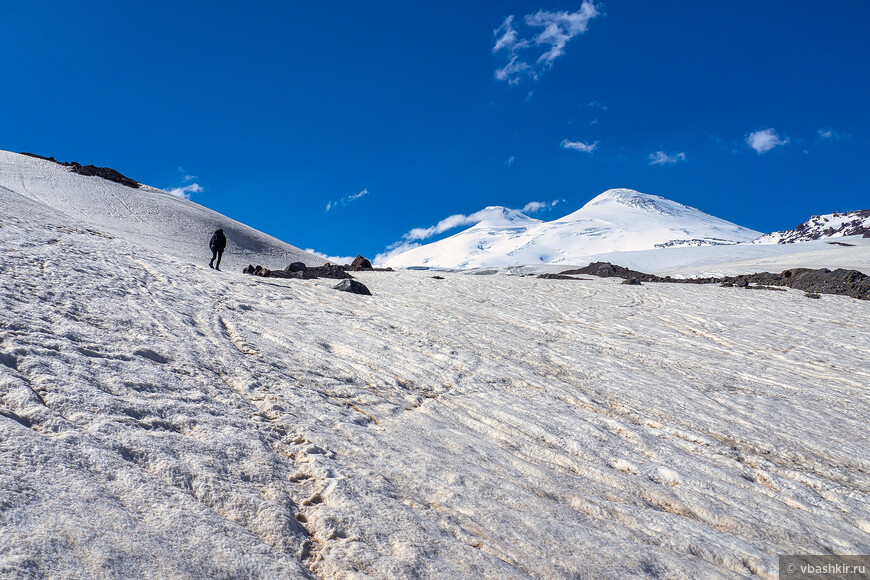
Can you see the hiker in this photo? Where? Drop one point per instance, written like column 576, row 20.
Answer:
column 217, row 245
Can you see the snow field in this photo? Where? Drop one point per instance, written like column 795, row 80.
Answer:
column 164, row 420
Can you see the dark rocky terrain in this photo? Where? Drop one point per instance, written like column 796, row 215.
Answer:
column 819, row 281
column 853, row 223
column 301, row 271
column 92, row 171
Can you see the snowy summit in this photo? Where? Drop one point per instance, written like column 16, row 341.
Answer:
column 617, row 220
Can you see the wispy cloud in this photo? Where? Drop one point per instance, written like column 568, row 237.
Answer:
column 510, row 160
column 579, row 146
column 831, row 134
column 332, row 259
column 393, row 250
column 186, row 191
column 536, row 206
column 764, row 140
column 662, row 158
column 346, row 200
column 546, row 34
column 186, row 177
column 412, row 238
column 457, row 220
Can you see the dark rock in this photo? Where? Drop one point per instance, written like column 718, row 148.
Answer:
column 359, row 263
column 437, row 277
column 823, row 281
column 558, row 277
column 812, row 295
column 286, row 274
column 353, row 286
column 631, row 281
column 608, row 270
column 93, row 171
column 327, row 271
column 296, row 267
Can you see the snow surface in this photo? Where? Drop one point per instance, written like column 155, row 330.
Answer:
column 159, row 419
column 618, row 220
column 147, row 216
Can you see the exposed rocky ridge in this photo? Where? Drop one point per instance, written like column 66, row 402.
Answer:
column 292, row 271
column 823, row 281
column 300, row 270
column 92, row 171
column 853, row 223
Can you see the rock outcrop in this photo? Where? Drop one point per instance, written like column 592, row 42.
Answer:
column 819, row 281
column 93, row 171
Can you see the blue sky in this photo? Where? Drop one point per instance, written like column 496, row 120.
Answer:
column 342, row 126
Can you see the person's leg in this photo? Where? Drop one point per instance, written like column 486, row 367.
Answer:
column 219, row 256
column 214, row 255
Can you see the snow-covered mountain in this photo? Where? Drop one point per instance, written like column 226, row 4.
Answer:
column 819, row 227
column 151, row 217
column 618, row 220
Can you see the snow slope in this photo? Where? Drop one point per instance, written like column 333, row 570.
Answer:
column 617, row 220
column 159, row 419
column 145, row 216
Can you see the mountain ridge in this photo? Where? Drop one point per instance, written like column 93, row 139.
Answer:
column 618, row 219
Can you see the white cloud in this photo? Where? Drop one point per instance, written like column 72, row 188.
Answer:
column 347, row 199
column 579, row 146
column 662, row 158
column 831, row 134
column 186, row 176
column 186, row 191
column 764, row 140
column 510, row 160
column 457, row 220
column 558, row 29
column 410, row 240
column 393, row 250
column 510, row 71
column 536, row 206
column 332, row 259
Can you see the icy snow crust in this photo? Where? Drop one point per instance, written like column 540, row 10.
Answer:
column 159, row 419
column 618, row 220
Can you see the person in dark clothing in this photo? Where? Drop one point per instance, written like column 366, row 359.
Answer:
column 217, row 245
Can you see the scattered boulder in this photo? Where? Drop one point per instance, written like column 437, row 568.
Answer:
column 353, row 286
column 359, row 263
column 326, row 271
column 296, row 267
column 632, row 282
column 812, row 295
column 559, row 277
column 257, row 271
column 437, row 277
